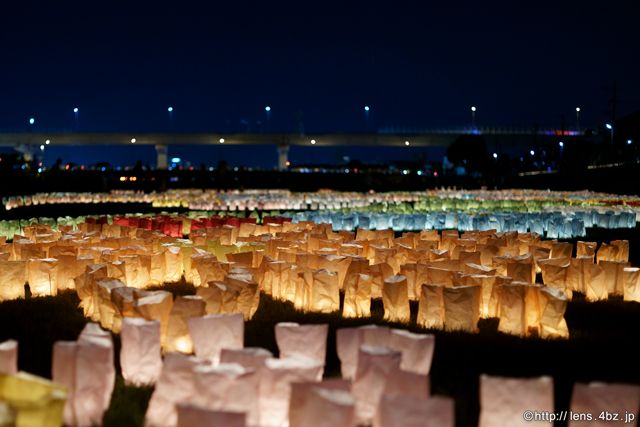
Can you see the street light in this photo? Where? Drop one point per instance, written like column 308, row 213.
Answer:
column 366, row 108
column 473, row 116
column 47, row 142
column 133, row 140
column 267, row 108
column 629, row 141
column 31, row 120
column 610, row 127
column 407, row 143
column 221, row 140
column 366, row 117
column 313, row 142
column 578, row 119
column 561, row 144
column 532, row 152
column 495, row 155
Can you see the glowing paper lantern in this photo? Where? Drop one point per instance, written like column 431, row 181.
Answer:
column 504, row 400
column 106, row 309
column 248, row 357
column 195, row 416
column 63, row 372
column 407, row 383
column 176, row 384
column 42, row 276
column 395, row 298
column 140, row 355
column 400, row 410
column 29, row 401
column 212, row 333
column 596, row 286
column 156, row 305
column 596, row 398
column 614, row 276
column 301, row 392
column 632, row 284
column 184, row 308
column 86, row 368
column 327, row 408
column 13, row 276
column 462, row 308
column 228, row 387
column 308, row 341
column 227, row 298
column 275, row 386
column 325, row 292
column 416, row 349
column 552, row 304
column 431, row 309
column 518, row 307
column 95, row 375
column 375, row 364
column 586, row 249
column 9, row 357
column 357, row 296
column 554, row 274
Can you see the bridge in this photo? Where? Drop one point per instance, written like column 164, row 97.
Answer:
column 28, row 142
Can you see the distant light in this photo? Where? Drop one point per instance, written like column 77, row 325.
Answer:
column 577, row 109
column 75, row 110
column 42, row 147
column 288, row 163
column 170, row 109
column 39, row 170
column 473, row 108
column 267, row 108
column 629, row 142
column 221, row 140
column 419, row 173
column 103, row 169
column 48, row 141
column 561, row 144
column 32, row 120
column 608, row 126
column 495, row 155
column 532, row 152
column 176, row 160
column 405, row 172
column 366, row 108
column 435, row 173
column 346, row 170
column 407, row 143
column 133, row 140
column 313, row 142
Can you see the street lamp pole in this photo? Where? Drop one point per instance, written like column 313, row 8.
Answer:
column 578, row 119
column 473, row 117
column 76, row 113
column 610, row 127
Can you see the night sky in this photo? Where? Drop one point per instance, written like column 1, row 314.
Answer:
column 416, row 64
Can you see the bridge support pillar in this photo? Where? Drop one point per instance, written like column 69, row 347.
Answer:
column 28, row 151
column 162, row 159
column 283, row 157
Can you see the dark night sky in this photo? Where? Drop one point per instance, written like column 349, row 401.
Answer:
column 418, row 64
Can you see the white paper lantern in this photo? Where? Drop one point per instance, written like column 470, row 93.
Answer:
column 308, row 341
column 175, row 385
column 596, row 398
column 375, row 364
column 431, row 307
column 248, row 357
column 408, row 411
column 300, row 392
column 195, row 416
column 212, row 333
column 9, row 357
column 503, row 401
column 328, row 408
column 275, row 386
column 462, row 308
column 417, row 350
column 140, row 354
column 395, row 298
column 228, row 387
